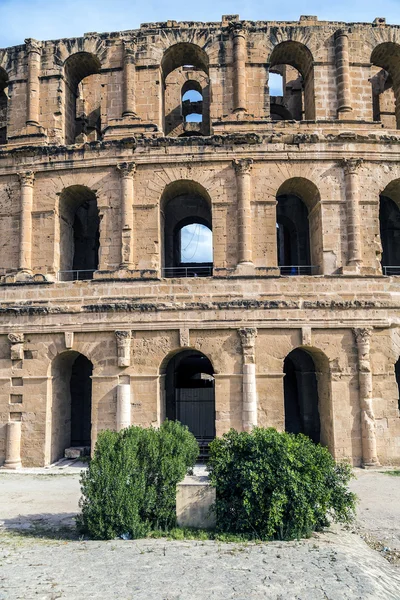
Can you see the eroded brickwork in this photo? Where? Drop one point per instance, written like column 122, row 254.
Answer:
column 99, row 168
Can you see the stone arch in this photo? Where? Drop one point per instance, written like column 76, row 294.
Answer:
column 183, row 202
column 3, row 105
column 296, row 63
column 386, row 55
column 307, row 395
column 185, row 65
column 79, row 233
column 71, row 403
column 299, row 229
column 187, row 391
column 79, row 70
column 389, row 227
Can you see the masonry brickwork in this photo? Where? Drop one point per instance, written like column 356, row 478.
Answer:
column 94, row 145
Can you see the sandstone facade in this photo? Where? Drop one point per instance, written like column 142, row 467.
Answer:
column 297, row 319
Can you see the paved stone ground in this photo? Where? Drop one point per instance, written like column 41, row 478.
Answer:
column 336, row 565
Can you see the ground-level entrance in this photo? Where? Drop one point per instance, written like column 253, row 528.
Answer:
column 71, row 409
column 190, row 395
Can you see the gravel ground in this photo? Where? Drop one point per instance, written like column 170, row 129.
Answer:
column 336, row 565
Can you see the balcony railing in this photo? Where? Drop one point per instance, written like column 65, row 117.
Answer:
column 298, row 270
column 187, row 271
column 391, row 270
column 75, row 275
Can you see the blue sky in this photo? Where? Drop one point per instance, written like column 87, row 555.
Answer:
column 53, row 19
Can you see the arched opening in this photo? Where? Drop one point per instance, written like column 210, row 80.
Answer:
column 386, row 84
column 397, row 374
column 389, row 226
column 3, row 105
column 186, row 90
column 189, row 394
column 186, row 223
column 79, row 233
column 301, row 395
column 82, row 98
column 71, row 406
column 294, row 62
column 298, row 232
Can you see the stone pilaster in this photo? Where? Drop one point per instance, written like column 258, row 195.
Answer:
column 129, row 79
column 238, row 33
column 343, row 79
column 34, row 51
column 243, row 185
column 17, row 346
column 13, row 445
column 25, row 242
column 127, row 172
column 368, row 437
column 352, row 187
column 249, row 414
column 123, row 348
column 123, row 405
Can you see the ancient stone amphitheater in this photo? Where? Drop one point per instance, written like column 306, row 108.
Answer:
column 114, row 147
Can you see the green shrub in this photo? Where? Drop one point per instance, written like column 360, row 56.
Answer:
column 129, row 487
column 277, row 485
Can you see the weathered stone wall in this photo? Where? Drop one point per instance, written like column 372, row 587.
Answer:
column 85, row 126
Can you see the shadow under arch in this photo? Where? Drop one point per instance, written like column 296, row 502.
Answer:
column 298, row 56
column 308, row 395
column 187, row 393
column 71, row 403
column 3, row 105
column 299, row 231
column 183, row 202
column 387, row 56
column 79, row 232
column 184, row 53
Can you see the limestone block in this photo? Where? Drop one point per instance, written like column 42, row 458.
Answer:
column 194, row 499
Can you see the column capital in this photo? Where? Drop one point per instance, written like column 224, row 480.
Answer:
column 242, row 166
column 129, row 46
column 248, row 337
column 362, row 334
column 351, row 165
column 122, row 335
column 16, row 338
column 33, row 45
column 27, row 178
column 341, row 33
column 126, row 169
column 123, row 347
column 237, row 29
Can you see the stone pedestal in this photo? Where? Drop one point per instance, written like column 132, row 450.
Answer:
column 194, row 499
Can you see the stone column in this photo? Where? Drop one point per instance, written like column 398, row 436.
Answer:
column 352, row 187
column 13, row 446
column 123, row 406
column 243, row 184
column 25, row 240
column 368, row 437
column 129, row 79
column 343, row 80
column 127, row 171
column 33, row 89
column 123, row 348
column 238, row 33
column 249, row 415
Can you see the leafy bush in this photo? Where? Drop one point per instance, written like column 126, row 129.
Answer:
column 130, row 485
column 277, row 485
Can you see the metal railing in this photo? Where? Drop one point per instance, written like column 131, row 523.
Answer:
column 298, row 270
column 75, row 275
column 187, row 271
column 391, row 270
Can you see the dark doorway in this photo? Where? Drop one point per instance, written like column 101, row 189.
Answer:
column 397, row 373
column 86, row 238
column 190, row 395
column 81, row 401
column 389, row 224
column 301, row 395
column 293, row 236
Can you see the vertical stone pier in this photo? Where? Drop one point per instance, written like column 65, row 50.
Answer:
column 129, row 79
column 238, row 33
column 352, row 186
column 343, row 80
column 249, row 415
column 127, row 172
column 25, row 255
column 242, row 168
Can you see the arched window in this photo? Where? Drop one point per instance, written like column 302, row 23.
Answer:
column 189, row 394
column 187, row 230
column 386, row 84
column 3, row 106
column 389, row 225
column 82, row 97
column 71, row 407
column 298, row 237
column 186, row 90
column 79, row 233
column 294, row 62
